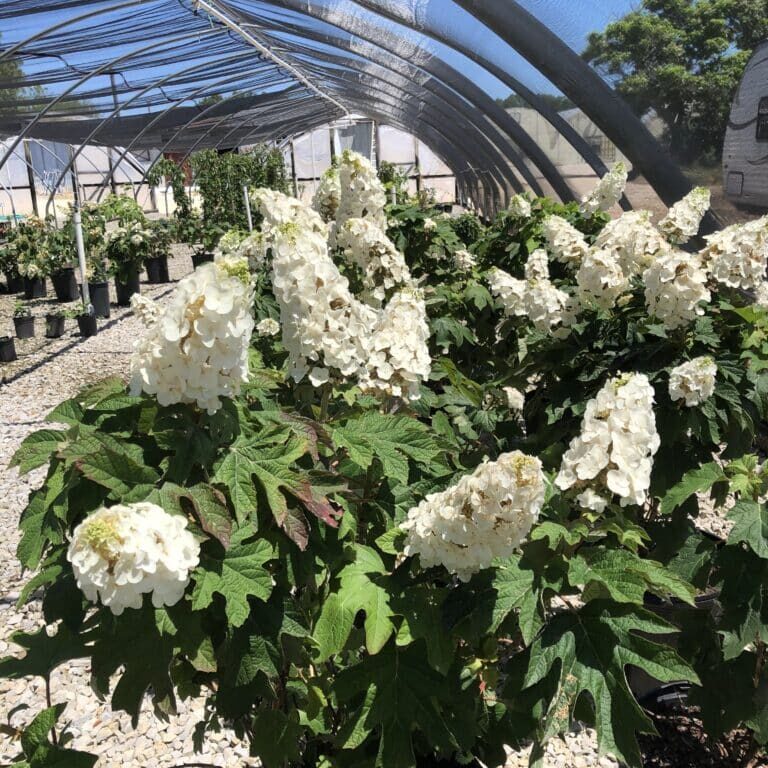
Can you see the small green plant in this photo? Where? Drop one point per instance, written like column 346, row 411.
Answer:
column 20, row 309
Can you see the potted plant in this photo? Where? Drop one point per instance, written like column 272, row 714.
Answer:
column 209, row 235
column 30, row 243
column 60, row 264
column 23, row 321
column 9, row 265
column 157, row 263
column 128, row 248
column 7, row 349
column 98, row 282
column 54, row 323
column 86, row 321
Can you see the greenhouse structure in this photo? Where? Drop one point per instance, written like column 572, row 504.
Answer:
column 383, row 383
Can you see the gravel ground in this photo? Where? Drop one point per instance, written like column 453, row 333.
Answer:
column 47, row 372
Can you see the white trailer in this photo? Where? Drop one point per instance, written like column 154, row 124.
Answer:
column 745, row 153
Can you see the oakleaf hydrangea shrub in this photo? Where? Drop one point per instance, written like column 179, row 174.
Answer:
column 387, row 498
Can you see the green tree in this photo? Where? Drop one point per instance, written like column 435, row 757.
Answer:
column 557, row 102
column 684, row 59
column 11, row 90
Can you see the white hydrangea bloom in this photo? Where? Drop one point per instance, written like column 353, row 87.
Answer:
column 429, row 225
column 515, row 399
column 634, row 240
column 364, row 243
column 737, row 256
column 464, row 260
column 145, row 309
column 520, row 207
column 608, row 191
column 675, row 287
column 537, row 266
column 399, row 357
column 362, row 193
column 509, row 290
column 761, row 295
column 486, row 515
column 590, row 499
column 196, row 351
column 538, row 299
column 600, row 279
column 683, row 219
column 121, row 553
column 230, row 242
column 328, row 194
column 323, row 324
column 254, row 249
column 327, row 331
column 617, row 443
column 268, row 327
column 548, row 308
column 693, row 381
column 566, row 243
column 280, row 210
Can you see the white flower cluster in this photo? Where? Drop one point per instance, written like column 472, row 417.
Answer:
column 196, row 350
column 399, row 356
column 362, row 193
column 520, row 207
column 429, row 225
column 327, row 331
column 737, row 256
column 693, row 381
column 324, row 326
column 121, row 553
column 327, row 196
column 464, row 260
column 616, row 446
column 145, row 309
column 364, row 244
column 600, row 279
column 515, row 399
column 683, row 219
column 134, row 233
column 565, row 242
column 268, row 327
column 486, row 515
column 229, row 242
column 675, row 288
column 634, row 240
column 537, row 298
column 608, row 191
column 761, row 295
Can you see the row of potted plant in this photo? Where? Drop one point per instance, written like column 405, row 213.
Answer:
column 55, row 326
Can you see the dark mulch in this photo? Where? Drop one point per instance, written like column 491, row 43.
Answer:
column 682, row 743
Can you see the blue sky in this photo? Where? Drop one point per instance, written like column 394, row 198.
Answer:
column 572, row 20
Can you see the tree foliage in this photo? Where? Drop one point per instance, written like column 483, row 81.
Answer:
column 684, row 59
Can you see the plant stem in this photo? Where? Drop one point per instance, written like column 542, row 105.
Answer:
column 54, row 735
column 325, row 399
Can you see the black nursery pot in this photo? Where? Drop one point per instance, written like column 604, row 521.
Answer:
column 34, row 288
column 99, row 295
column 87, row 325
column 7, row 349
column 25, row 326
column 127, row 288
column 201, row 258
column 15, row 283
column 65, row 284
column 54, row 326
column 157, row 270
